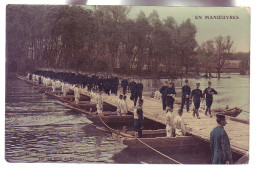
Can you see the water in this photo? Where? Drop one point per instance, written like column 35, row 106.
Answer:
column 38, row 130
column 233, row 91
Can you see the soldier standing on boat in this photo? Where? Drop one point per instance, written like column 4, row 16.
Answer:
column 99, row 102
column 124, row 84
column 169, row 122
column 76, row 94
column 138, row 119
column 173, row 123
column 162, row 91
column 170, row 95
column 196, row 95
column 186, row 96
column 219, row 143
column 124, row 104
column 120, row 105
column 209, row 98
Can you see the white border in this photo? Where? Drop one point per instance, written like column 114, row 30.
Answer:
column 114, row 168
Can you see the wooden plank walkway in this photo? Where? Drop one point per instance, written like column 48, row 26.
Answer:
column 238, row 132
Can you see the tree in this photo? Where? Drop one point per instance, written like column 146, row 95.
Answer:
column 111, row 20
column 187, row 44
column 222, row 52
column 207, row 51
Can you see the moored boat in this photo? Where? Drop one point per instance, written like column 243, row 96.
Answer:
column 155, row 139
column 233, row 112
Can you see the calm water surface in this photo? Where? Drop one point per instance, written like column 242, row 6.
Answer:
column 38, row 130
column 233, row 91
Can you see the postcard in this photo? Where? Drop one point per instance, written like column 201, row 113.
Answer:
column 127, row 84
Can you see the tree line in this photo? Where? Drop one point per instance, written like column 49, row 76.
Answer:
column 104, row 39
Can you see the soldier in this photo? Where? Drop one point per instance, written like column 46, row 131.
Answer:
column 99, row 103
column 138, row 119
column 114, row 85
column 196, row 95
column 107, row 85
column 90, row 82
column 170, row 95
column 124, row 104
column 162, row 91
column 209, row 97
column 186, row 96
column 219, row 143
column 120, row 105
column 131, row 87
column 138, row 92
column 100, row 83
column 76, row 94
column 124, row 84
column 174, row 122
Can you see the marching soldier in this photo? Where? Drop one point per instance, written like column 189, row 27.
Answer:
column 186, row 96
column 196, row 95
column 209, row 98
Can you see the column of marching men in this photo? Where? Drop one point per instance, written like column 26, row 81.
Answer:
column 167, row 94
column 93, row 84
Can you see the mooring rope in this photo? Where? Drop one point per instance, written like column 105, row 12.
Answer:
column 159, row 152
column 144, row 144
column 115, row 131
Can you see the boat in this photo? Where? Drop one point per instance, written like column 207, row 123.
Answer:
column 154, row 139
column 107, row 117
column 233, row 112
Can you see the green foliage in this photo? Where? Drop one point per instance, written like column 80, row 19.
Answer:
column 99, row 38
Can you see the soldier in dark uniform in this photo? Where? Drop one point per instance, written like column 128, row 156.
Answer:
column 100, row 83
column 138, row 92
column 90, row 82
column 131, row 87
column 138, row 119
column 114, row 85
column 162, row 91
column 124, row 84
column 185, row 96
column 219, row 143
column 170, row 95
column 209, row 98
column 95, row 78
column 196, row 95
column 107, row 85
column 30, row 76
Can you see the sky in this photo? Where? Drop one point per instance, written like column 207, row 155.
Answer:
column 238, row 29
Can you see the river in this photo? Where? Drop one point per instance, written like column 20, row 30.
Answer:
column 38, row 130
column 233, row 90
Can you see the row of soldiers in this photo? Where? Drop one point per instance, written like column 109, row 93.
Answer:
column 196, row 95
column 101, row 82
column 92, row 82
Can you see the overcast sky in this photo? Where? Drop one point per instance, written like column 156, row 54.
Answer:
column 239, row 29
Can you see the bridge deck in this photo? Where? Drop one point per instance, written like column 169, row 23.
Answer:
column 238, row 132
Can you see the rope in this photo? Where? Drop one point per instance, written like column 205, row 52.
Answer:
column 115, row 131
column 144, row 144
column 159, row 152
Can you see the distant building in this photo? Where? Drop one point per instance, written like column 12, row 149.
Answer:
column 232, row 64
